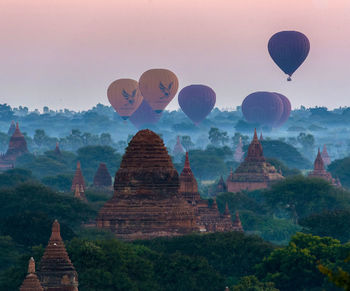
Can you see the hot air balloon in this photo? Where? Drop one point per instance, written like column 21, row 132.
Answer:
column 197, row 101
column 287, row 107
column 264, row 108
column 125, row 96
column 289, row 49
column 158, row 87
column 144, row 115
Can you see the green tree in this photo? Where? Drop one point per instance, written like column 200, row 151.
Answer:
column 301, row 196
column 341, row 169
column 295, row 267
column 328, row 223
column 217, row 137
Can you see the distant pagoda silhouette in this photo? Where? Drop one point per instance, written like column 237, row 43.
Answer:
column 320, row 171
column 102, row 178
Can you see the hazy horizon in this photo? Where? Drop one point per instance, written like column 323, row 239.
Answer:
column 64, row 55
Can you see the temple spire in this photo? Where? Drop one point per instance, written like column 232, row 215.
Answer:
column 255, row 138
column 31, row 266
column 318, row 164
column 187, row 162
column 261, row 136
column 227, row 211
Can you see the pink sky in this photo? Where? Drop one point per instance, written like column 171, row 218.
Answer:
column 64, row 53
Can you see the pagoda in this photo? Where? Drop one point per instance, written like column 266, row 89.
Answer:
column 57, row 150
column 31, row 282
column 102, row 178
column 17, row 147
column 238, row 155
column 78, row 179
column 320, row 172
column 146, row 201
column 208, row 217
column 57, row 272
column 325, row 157
column 254, row 172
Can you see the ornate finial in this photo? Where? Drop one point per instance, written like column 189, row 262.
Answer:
column 261, row 136
column 56, row 233
column 31, row 266
column 78, row 164
column 17, row 127
column 187, row 162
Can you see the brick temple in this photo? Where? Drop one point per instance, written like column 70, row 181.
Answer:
column 151, row 200
column 17, row 147
column 254, row 172
column 31, row 282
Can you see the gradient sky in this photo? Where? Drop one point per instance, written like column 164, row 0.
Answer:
column 64, row 53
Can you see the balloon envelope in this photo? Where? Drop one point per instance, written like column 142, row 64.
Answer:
column 158, row 87
column 289, row 49
column 197, row 101
column 287, row 107
column 125, row 96
column 264, row 108
column 144, row 115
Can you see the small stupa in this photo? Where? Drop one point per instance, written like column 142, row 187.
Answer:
column 56, row 269
column 325, row 157
column 31, row 282
column 78, row 179
column 237, row 224
column 254, row 172
column 102, row 178
column 57, row 150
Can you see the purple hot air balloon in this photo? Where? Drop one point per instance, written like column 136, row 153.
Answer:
column 264, row 108
column 289, row 49
column 197, row 101
column 287, row 107
column 144, row 115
